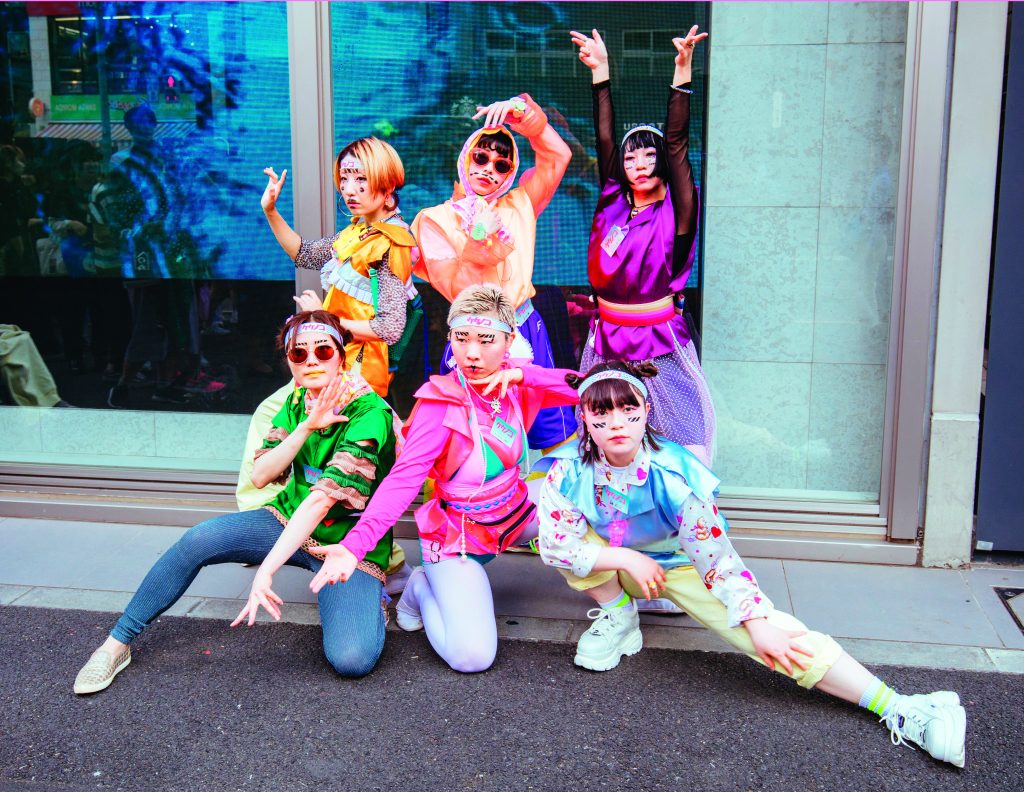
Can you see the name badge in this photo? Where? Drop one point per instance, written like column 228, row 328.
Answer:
column 504, row 432
column 617, row 500
column 613, row 240
column 312, row 474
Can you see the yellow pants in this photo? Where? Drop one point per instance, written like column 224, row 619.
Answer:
column 250, row 497
column 686, row 589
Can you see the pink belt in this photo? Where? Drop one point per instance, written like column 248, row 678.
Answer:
column 637, row 314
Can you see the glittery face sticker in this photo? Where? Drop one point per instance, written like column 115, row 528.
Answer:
column 314, row 373
column 354, row 187
column 619, row 431
column 479, row 352
column 487, row 170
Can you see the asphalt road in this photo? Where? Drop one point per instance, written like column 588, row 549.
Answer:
column 204, row 707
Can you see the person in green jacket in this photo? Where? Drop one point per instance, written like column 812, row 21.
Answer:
column 333, row 441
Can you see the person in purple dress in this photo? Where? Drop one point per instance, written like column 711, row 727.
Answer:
column 641, row 250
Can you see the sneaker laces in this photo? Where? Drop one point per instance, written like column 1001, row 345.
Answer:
column 601, row 618
column 897, row 720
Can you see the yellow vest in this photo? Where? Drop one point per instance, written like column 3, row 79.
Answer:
column 357, row 250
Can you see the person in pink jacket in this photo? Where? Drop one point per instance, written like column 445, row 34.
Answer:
column 467, row 431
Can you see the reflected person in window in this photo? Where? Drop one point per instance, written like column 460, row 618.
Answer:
column 331, row 443
column 627, row 516
column 487, row 231
column 641, row 249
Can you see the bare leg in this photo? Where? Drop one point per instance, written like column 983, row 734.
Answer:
column 846, row 679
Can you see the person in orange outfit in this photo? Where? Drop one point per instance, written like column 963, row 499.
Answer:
column 366, row 270
column 487, row 232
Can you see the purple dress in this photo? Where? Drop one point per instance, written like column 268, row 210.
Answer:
column 650, row 260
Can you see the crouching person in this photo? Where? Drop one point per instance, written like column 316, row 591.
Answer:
column 333, row 441
column 631, row 515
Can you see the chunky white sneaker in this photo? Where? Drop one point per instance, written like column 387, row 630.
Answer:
column 940, row 698
column 940, row 728
column 407, row 611
column 397, row 582
column 614, row 633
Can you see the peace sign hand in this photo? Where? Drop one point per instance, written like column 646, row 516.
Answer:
column 684, row 47
column 593, row 52
column 273, row 189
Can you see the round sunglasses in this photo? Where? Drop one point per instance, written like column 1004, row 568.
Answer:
column 501, row 165
column 322, row 351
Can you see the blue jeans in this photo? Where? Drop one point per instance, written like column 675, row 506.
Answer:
column 350, row 613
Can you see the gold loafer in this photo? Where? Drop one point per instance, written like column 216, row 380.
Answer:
column 99, row 672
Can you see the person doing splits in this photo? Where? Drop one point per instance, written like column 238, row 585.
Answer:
column 629, row 514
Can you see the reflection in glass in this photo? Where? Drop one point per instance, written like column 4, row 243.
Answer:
column 130, row 203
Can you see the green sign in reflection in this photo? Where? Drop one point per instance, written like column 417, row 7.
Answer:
column 85, row 107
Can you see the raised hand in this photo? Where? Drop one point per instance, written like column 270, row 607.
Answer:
column 500, row 379
column 684, row 47
column 261, row 594
column 322, row 414
column 496, row 112
column 593, row 53
column 339, row 564
column 776, row 645
column 309, row 301
column 273, row 189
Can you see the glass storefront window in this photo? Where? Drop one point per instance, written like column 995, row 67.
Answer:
column 135, row 261
column 138, row 280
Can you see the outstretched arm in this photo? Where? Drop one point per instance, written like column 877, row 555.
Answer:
column 677, row 139
column 283, row 233
column 594, row 56
column 307, row 254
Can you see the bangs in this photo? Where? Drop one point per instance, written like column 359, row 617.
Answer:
column 497, row 142
column 642, row 139
column 609, row 394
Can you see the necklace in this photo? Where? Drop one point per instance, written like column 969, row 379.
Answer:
column 636, row 210
column 494, row 404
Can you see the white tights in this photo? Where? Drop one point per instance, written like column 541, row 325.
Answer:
column 455, row 603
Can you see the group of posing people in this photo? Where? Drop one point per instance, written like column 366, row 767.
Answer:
column 626, row 509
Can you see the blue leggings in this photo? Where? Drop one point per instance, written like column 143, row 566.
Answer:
column 350, row 613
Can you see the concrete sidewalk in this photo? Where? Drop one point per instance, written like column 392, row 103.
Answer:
column 930, row 618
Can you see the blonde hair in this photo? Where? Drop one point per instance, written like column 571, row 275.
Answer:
column 482, row 299
column 381, row 163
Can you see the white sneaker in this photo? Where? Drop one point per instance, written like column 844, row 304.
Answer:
column 614, row 633
column 661, row 606
column 932, row 721
column 407, row 611
column 397, row 582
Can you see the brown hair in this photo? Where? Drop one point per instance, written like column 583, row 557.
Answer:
column 381, row 163
column 324, row 317
column 609, row 394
